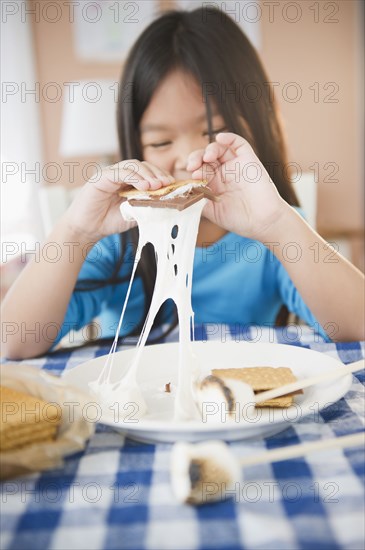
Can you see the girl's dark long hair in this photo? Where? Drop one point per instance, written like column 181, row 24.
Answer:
column 211, row 47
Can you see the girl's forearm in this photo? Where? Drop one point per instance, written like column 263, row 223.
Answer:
column 35, row 306
column 331, row 286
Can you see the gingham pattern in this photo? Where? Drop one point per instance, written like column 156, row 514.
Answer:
column 116, row 494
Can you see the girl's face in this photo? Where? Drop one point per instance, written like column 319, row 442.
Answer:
column 175, row 124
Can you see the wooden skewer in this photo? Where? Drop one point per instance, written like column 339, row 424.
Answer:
column 275, row 455
column 311, row 381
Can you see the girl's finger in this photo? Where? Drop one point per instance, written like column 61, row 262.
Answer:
column 145, row 172
column 115, row 176
column 206, row 171
column 198, row 174
column 212, row 153
column 133, row 172
column 195, row 160
column 159, row 173
column 216, row 151
column 119, row 171
column 236, row 143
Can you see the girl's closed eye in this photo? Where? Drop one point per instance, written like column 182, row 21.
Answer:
column 159, row 145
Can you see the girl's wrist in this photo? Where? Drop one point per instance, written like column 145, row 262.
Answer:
column 289, row 228
column 74, row 233
column 275, row 228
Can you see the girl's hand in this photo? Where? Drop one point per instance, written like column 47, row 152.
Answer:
column 95, row 212
column 249, row 201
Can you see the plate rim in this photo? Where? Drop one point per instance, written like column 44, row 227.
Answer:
column 201, row 428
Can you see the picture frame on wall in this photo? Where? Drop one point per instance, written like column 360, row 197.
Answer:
column 105, row 30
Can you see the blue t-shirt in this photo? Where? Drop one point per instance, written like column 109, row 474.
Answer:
column 235, row 280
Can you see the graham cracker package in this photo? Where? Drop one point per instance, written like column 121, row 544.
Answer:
column 42, row 420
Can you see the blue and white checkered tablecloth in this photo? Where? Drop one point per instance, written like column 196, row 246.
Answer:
column 116, row 494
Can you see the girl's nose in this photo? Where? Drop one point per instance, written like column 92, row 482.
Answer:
column 182, row 154
column 181, row 159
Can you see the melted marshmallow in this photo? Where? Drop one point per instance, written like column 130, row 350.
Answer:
column 180, row 191
column 173, row 234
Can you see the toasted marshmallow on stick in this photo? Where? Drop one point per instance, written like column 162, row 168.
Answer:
column 208, row 472
column 203, row 472
column 224, row 400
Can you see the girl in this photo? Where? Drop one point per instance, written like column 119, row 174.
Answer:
column 190, row 114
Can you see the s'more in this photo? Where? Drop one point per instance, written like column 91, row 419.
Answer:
column 178, row 195
column 262, row 379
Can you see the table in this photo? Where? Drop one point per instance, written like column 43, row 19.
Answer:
column 116, row 493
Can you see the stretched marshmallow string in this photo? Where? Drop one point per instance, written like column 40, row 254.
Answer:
column 171, row 232
column 104, row 377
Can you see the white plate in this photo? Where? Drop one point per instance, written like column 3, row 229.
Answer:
column 159, row 366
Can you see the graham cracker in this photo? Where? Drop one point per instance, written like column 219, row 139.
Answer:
column 262, row 379
column 282, row 402
column 17, row 440
column 163, row 190
column 26, row 419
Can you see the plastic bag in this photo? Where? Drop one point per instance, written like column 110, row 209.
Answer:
column 74, row 431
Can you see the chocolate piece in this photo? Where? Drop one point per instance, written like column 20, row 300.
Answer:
column 178, row 203
column 208, row 194
column 158, row 198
